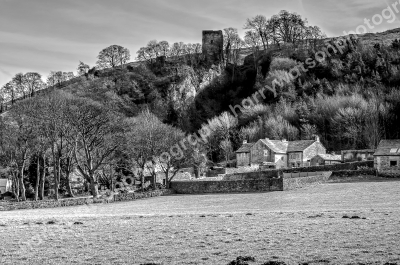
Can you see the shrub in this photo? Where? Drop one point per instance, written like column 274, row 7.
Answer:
column 284, row 64
column 283, row 83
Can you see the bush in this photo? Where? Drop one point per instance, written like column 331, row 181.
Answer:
column 284, row 64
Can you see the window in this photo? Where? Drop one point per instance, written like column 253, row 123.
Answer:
column 266, row 153
column 211, row 41
column 393, row 163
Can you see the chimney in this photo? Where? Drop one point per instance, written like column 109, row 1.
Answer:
column 316, row 138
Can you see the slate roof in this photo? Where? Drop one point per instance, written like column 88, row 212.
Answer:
column 331, row 157
column 299, row 146
column 278, row 146
column 289, row 146
column 388, row 148
column 245, row 148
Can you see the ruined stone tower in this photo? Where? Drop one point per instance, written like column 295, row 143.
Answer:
column 213, row 46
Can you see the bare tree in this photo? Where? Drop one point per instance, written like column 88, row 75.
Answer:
column 287, row 27
column 226, row 147
column 18, row 82
column 21, row 137
column 177, row 49
column 33, row 82
column 145, row 54
column 52, row 79
column 259, row 27
column 233, row 45
column 3, row 99
column 96, row 134
column 253, row 41
column 164, row 48
column 113, row 56
column 10, row 91
column 173, row 157
column 143, row 139
column 83, row 68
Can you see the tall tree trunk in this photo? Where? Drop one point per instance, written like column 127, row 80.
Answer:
column 56, row 183
column 37, row 178
column 55, row 173
column 67, row 175
column 16, row 187
column 21, row 185
column 94, row 187
column 167, row 179
column 42, row 179
column 142, row 180
column 112, row 179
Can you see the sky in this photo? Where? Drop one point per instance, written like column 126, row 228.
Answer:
column 54, row 35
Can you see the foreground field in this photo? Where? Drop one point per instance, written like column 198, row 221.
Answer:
column 302, row 226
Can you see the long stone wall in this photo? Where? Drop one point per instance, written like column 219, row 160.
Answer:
column 277, row 172
column 250, row 182
column 8, row 206
column 292, row 183
column 252, row 185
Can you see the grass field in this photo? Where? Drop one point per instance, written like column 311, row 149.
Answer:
column 302, row 226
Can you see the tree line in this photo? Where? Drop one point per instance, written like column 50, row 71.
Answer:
column 64, row 134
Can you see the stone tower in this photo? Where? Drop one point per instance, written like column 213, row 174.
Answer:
column 213, row 46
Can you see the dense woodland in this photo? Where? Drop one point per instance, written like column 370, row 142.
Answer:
column 118, row 118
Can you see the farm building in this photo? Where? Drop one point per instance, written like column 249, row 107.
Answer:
column 357, row 155
column 282, row 153
column 387, row 157
column 5, row 185
column 326, row 159
column 243, row 156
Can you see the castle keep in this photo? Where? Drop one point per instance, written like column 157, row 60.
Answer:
column 213, row 45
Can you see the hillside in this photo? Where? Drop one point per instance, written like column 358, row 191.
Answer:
column 188, row 92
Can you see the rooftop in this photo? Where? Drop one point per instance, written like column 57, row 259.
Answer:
column 245, row 148
column 279, row 146
column 284, row 147
column 388, row 148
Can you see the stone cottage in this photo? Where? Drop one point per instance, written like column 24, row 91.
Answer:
column 387, row 157
column 284, row 154
column 243, row 155
column 326, row 159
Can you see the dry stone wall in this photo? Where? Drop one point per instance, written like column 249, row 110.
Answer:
column 7, row 206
